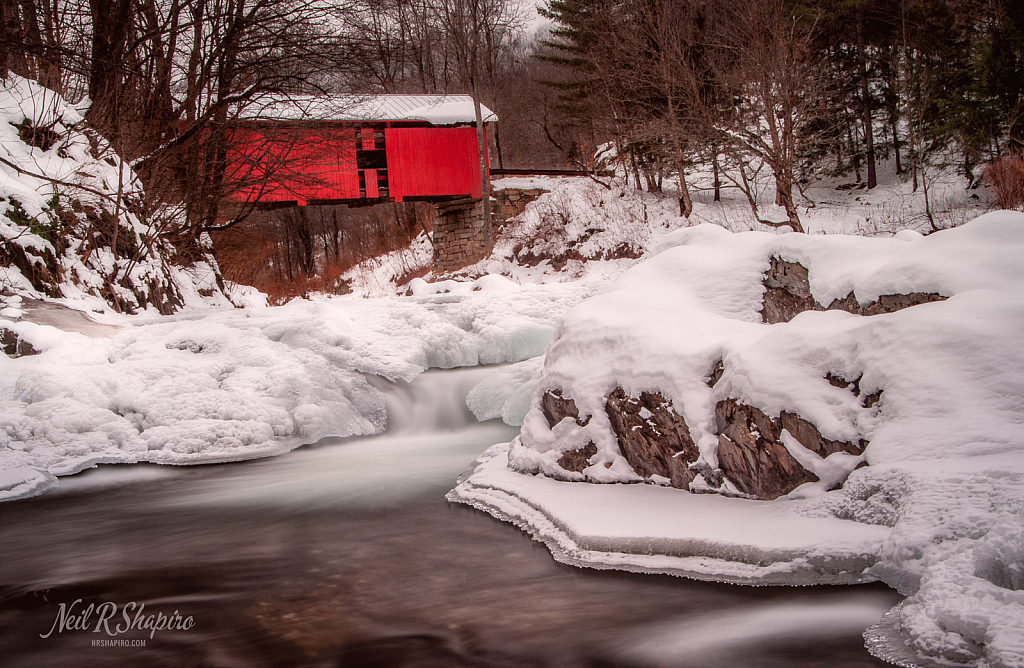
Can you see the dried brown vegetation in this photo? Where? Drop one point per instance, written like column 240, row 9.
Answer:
column 295, row 251
column 1007, row 177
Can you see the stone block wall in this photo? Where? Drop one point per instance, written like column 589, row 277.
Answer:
column 510, row 202
column 459, row 235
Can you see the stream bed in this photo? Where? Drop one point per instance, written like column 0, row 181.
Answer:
column 346, row 553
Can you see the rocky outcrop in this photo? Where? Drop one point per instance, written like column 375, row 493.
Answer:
column 557, row 407
column 753, row 457
column 809, row 437
column 577, row 460
column 13, row 345
column 652, row 437
column 655, row 441
column 788, row 292
column 890, row 303
column 716, row 374
column 868, row 400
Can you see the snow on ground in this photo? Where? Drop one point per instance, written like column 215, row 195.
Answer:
column 939, row 512
column 383, row 276
column 840, row 205
column 580, row 227
column 229, row 384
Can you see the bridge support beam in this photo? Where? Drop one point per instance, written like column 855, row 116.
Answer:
column 459, row 239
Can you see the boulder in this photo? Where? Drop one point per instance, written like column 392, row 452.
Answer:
column 13, row 345
column 652, row 437
column 557, row 407
column 787, row 292
column 753, row 457
column 577, row 460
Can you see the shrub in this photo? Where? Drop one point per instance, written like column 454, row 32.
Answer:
column 1006, row 174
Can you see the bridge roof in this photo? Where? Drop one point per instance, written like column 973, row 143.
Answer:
column 433, row 109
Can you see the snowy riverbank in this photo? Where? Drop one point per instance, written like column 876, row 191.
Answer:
column 225, row 385
column 937, row 512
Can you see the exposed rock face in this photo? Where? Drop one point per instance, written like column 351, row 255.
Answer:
column 751, row 453
column 868, row 400
column 557, row 407
column 655, row 440
column 577, row 460
column 652, row 437
column 890, row 303
column 13, row 345
column 716, row 374
column 788, row 292
column 811, row 438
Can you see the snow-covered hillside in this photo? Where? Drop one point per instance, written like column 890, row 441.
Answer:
column 922, row 407
column 71, row 220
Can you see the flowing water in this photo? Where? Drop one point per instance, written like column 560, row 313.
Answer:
column 346, row 554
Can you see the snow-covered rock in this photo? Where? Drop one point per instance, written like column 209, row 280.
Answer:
column 932, row 392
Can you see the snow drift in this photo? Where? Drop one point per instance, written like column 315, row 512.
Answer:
column 938, row 510
column 235, row 384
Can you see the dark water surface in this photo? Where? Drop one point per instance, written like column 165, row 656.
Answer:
column 347, row 554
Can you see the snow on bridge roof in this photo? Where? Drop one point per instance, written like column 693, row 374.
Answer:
column 434, row 109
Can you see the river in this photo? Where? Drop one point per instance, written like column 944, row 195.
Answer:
column 346, row 553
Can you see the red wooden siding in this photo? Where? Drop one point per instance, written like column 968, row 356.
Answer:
column 370, row 176
column 424, row 162
column 290, row 164
column 297, row 164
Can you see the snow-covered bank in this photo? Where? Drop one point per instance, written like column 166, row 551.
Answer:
column 937, row 513
column 72, row 221
column 237, row 384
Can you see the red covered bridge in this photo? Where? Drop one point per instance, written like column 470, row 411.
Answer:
column 357, row 151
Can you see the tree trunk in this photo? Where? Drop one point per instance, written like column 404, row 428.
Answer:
column 784, row 198
column 715, row 171
column 869, row 134
column 485, row 181
column 8, row 33
column 111, row 20
column 854, row 153
column 497, row 146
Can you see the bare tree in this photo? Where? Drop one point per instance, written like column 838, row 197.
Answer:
column 777, row 73
column 478, row 31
